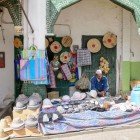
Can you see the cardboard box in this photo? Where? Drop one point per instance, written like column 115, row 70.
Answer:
column 53, row 94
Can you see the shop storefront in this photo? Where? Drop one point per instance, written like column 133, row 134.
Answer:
column 58, row 46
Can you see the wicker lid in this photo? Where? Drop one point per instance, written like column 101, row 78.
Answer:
column 94, row 45
column 65, row 57
column 46, row 42
column 56, row 47
column 109, row 40
column 66, row 41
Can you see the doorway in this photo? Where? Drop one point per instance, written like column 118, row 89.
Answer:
column 109, row 55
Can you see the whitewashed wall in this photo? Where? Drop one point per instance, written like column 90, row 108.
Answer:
column 91, row 17
column 135, row 41
column 7, row 74
column 96, row 17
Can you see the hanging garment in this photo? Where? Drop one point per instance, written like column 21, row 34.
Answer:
column 47, row 80
column 17, row 67
column 66, row 71
column 52, row 77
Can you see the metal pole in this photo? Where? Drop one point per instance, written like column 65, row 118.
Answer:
column 26, row 16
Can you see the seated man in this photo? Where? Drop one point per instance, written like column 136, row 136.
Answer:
column 99, row 83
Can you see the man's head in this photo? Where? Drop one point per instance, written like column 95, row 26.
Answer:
column 99, row 74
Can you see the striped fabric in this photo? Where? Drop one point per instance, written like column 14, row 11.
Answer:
column 52, row 77
column 34, row 70
column 66, row 71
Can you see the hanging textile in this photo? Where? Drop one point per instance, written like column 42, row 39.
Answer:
column 52, row 77
column 66, row 71
column 42, row 81
column 17, row 67
column 34, row 69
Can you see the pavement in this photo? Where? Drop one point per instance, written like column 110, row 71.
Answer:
column 111, row 133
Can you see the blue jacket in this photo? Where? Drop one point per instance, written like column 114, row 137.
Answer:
column 99, row 85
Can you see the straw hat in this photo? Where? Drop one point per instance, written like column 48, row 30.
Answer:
column 19, row 106
column 93, row 93
column 47, row 42
column 66, row 41
column 61, row 110
column 45, row 118
column 56, row 47
column 65, row 57
column 66, row 98
column 17, row 124
column 31, row 121
column 8, row 119
column 94, row 45
column 18, row 30
column 33, row 104
column 56, row 100
column 55, row 117
column 22, row 98
column 3, row 135
column 109, row 40
column 36, row 96
column 78, row 96
column 50, row 39
column 47, row 103
column 4, row 124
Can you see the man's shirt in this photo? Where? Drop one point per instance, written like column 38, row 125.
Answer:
column 101, row 85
